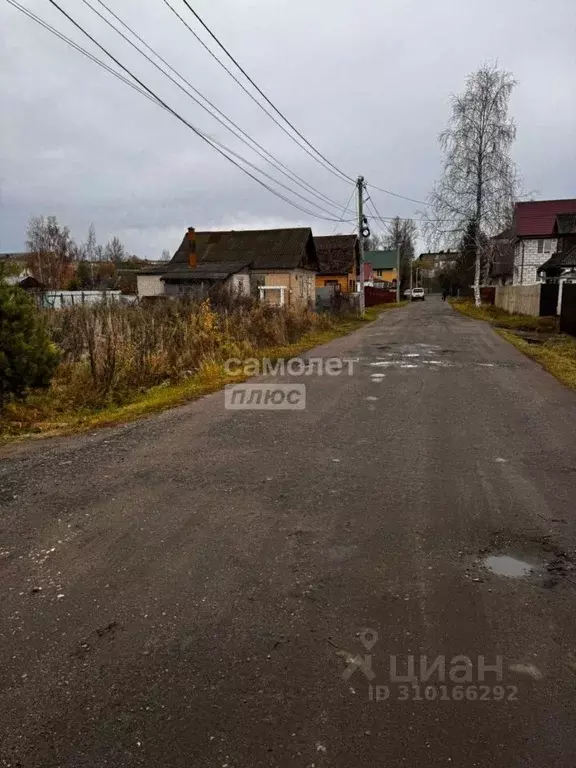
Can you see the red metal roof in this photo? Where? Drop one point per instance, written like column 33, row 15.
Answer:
column 536, row 219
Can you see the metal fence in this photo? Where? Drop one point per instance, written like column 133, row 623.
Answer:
column 374, row 296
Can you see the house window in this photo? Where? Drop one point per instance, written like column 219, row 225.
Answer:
column 544, row 246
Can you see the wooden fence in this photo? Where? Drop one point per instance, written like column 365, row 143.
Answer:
column 519, row 299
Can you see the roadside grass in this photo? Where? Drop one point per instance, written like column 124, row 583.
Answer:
column 47, row 414
column 501, row 319
column 537, row 337
column 557, row 354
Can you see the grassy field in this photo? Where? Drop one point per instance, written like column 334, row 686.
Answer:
column 536, row 337
column 57, row 412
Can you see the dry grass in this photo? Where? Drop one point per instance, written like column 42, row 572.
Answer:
column 122, row 363
column 556, row 354
column 536, row 337
column 501, row 319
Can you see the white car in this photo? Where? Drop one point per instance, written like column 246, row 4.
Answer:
column 418, row 294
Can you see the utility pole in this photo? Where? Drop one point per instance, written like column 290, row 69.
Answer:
column 411, row 271
column 398, row 274
column 360, row 185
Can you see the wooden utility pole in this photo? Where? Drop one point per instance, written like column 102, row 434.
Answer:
column 360, row 185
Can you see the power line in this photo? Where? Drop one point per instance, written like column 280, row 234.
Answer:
column 403, row 218
column 130, row 42
column 220, row 148
column 265, row 97
column 326, row 164
column 260, row 150
column 344, row 211
column 395, row 194
column 79, row 48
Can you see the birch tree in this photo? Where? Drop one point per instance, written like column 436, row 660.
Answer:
column 51, row 251
column 479, row 180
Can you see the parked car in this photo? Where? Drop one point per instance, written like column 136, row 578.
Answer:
column 418, row 294
column 408, row 293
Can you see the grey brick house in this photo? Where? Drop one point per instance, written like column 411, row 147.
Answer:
column 536, row 237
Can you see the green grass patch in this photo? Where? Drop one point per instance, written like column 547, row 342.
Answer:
column 46, row 414
column 536, row 337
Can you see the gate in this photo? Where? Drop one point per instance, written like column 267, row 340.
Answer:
column 548, row 299
column 568, row 313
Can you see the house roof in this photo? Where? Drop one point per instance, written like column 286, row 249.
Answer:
column 566, row 224
column 153, row 269
column 537, row 218
column 208, row 270
column 559, row 260
column 382, row 259
column 336, row 254
column 15, row 257
column 262, row 248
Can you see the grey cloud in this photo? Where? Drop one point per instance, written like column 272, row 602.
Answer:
column 367, row 82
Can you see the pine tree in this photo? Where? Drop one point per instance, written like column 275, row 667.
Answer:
column 28, row 358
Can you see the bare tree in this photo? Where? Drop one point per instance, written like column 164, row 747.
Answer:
column 51, row 251
column 374, row 243
column 479, row 180
column 91, row 245
column 165, row 255
column 114, row 251
column 402, row 234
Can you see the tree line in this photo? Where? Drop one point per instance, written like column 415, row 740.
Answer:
column 57, row 261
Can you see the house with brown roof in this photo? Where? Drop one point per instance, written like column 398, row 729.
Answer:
column 536, row 235
column 562, row 264
column 276, row 265
column 338, row 257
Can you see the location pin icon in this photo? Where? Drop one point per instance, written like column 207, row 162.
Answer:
column 368, row 638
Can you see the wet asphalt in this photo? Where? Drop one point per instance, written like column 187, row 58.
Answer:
column 236, row 589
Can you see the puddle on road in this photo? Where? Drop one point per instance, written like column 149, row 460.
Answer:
column 506, row 565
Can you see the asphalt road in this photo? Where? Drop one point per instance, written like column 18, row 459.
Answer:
column 221, row 588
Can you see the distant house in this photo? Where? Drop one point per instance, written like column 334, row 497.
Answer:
column 562, row 263
column 338, row 257
column 536, row 235
column 275, row 265
column 384, row 265
column 431, row 264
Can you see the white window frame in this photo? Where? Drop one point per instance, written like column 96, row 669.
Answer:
column 542, row 243
column 281, row 288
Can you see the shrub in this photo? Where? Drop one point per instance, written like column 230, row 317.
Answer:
column 28, row 359
column 110, row 351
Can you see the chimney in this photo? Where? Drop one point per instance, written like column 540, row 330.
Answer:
column 192, row 255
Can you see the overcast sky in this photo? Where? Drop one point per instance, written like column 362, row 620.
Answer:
column 368, row 82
